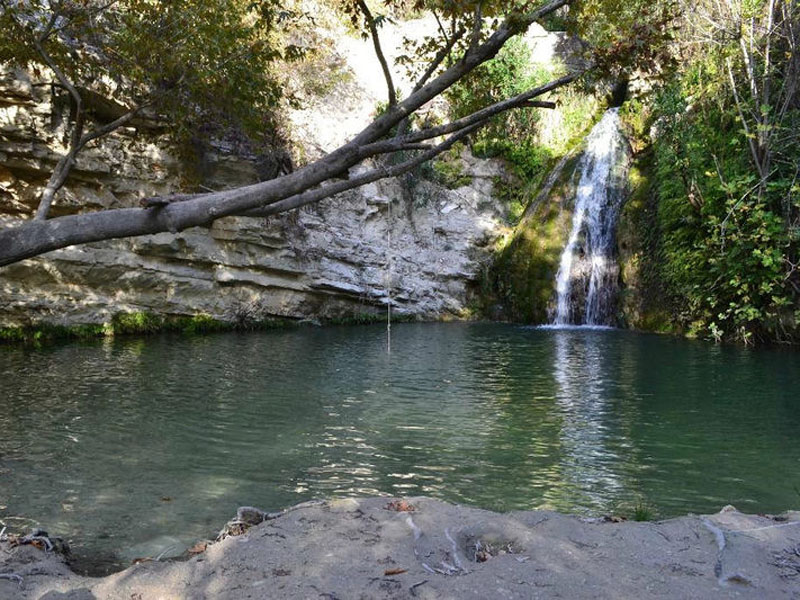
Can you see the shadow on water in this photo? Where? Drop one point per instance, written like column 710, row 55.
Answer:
column 131, row 448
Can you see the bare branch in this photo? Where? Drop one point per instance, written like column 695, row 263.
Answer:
column 66, row 163
column 109, row 127
column 376, row 42
column 39, row 236
column 441, row 27
column 327, row 191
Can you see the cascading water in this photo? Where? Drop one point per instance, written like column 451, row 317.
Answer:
column 586, row 284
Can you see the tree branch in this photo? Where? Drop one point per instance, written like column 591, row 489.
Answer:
column 327, row 191
column 522, row 100
column 66, row 163
column 373, row 29
column 402, row 143
column 750, row 141
column 39, row 236
column 109, row 127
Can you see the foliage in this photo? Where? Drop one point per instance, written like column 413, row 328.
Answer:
column 729, row 246
column 625, row 37
column 448, row 169
column 642, row 511
column 204, row 66
column 509, row 135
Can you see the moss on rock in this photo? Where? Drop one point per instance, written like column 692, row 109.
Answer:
column 644, row 303
column 130, row 323
column 523, row 275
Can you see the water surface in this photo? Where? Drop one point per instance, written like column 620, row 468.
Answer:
column 132, row 447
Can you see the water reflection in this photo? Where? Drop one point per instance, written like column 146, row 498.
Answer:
column 582, row 371
column 124, row 444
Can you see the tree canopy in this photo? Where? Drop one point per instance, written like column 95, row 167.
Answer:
column 199, row 63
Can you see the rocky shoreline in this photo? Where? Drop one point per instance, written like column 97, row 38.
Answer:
column 425, row 548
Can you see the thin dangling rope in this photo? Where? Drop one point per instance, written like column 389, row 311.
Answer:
column 389, row 282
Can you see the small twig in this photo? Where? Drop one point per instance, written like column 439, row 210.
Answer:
column 413, row 589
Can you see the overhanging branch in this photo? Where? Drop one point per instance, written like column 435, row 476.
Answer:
column 327, row 191
column 37, row 237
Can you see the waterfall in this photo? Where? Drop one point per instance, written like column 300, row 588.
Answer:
column 587, row 280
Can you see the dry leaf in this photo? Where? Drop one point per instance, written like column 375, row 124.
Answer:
column 400, row 506
column 394, row 571
column 198, row 548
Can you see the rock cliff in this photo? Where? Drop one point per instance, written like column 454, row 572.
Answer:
column 416, row 242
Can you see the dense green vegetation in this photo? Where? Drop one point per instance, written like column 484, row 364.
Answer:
column 727, row 159
column 198, row 69
column 710, row 235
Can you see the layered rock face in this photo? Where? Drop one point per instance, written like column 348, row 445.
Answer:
column 415, row 242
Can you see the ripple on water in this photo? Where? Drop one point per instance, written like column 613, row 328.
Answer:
column 122, row 444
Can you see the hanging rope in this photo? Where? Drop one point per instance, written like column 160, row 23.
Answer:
column 389, row 281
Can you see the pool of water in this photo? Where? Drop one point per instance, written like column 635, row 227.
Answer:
column 134, row 447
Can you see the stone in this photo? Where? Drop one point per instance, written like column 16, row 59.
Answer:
column 250, row 515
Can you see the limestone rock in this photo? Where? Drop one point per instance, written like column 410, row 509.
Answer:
column 419, row 244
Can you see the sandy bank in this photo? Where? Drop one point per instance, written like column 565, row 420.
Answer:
column 359, row 549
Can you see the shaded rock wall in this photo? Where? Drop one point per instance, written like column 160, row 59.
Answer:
column 523, row 278
column 644, row 303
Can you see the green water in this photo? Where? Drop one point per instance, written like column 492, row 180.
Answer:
column 131, row 447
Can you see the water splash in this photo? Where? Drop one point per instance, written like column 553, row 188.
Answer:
column 586, row 284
